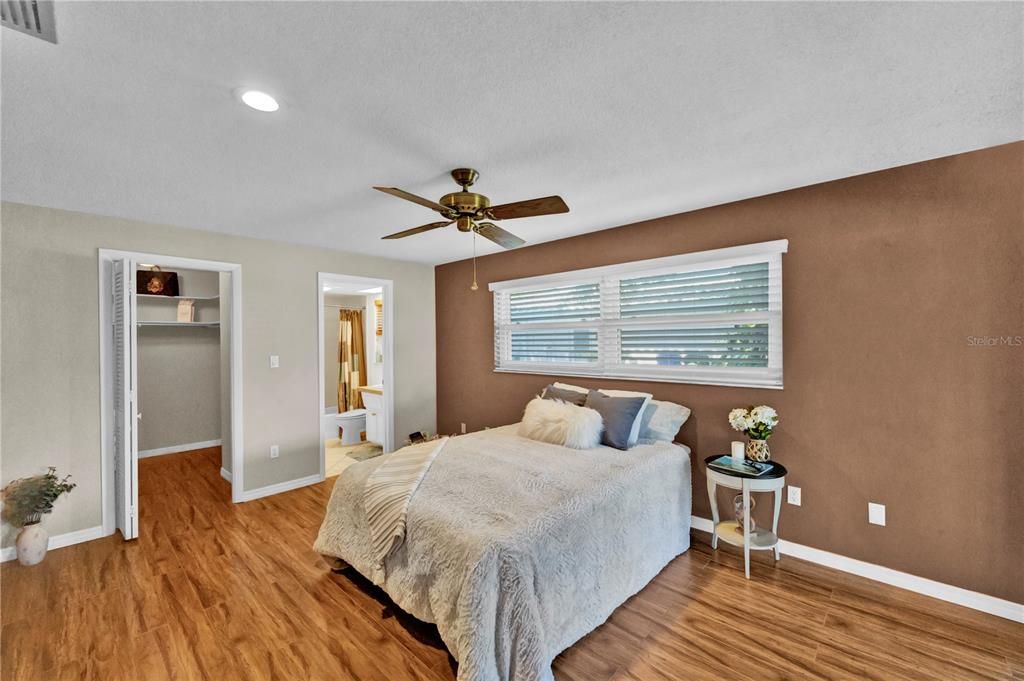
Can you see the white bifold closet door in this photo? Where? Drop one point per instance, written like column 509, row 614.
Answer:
column 126, row 438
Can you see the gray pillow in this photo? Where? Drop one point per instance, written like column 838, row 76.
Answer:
column 570, row 396
column 618, row 414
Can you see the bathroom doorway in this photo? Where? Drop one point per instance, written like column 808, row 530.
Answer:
column 356, row 395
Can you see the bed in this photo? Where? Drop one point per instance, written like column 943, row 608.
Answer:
column 516, row 549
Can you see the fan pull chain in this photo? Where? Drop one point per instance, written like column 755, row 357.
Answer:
column 474, row 286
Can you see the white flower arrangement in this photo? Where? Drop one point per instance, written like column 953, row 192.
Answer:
column 757, row 423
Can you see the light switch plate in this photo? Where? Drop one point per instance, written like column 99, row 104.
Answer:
column 275, row 361
column 793, row 495
column 275, row 451
column 876, row 513
column 463, row 428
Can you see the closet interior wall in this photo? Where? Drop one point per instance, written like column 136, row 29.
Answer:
column 180, row 381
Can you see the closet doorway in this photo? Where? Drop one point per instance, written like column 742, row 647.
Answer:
column 356, row 361
column 170, row 363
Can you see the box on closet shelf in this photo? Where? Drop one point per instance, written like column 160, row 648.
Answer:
column 186, row 310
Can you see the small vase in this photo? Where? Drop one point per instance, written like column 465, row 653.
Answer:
column 32, row 543
column 757, row 450
column 742, row 514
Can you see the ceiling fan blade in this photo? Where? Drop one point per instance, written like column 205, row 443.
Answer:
column 402, row 194
column 417, row 230
column 548, row 205
column 489, row 230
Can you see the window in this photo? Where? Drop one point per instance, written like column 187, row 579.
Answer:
column 713, row 317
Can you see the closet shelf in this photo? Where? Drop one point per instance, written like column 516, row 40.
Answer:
column 152, row 296
column 196, row 324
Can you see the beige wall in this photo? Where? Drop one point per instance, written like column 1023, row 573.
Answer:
column 50, row 346
column 332, row 302
column 179, row 368
column 886, row 399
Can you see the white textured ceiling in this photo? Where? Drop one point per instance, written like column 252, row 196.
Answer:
column 629, row 111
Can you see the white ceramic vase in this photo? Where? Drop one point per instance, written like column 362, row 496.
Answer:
column 31, row 544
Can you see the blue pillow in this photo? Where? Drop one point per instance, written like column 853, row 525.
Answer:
column 618, row 413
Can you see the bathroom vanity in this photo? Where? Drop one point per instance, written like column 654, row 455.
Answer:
column 373, row 401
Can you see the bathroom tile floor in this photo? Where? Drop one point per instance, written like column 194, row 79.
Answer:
column 341, row 457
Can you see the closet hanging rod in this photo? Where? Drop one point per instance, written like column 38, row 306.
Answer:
column 342, row 307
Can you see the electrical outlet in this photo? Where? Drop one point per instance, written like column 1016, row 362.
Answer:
column 463, row 428
column 793, row 495
column 275, row 361
column 876, row 514
column 275, row 451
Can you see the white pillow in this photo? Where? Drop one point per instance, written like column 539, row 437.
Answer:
column 634, row 432
column 662, row 421
column 574, row 388
column 561, row 423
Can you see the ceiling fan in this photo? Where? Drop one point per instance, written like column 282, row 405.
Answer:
column 472, row 212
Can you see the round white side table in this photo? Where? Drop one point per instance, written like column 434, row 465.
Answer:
column 729, row 530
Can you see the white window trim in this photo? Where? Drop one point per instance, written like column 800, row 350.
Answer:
column 608, row 276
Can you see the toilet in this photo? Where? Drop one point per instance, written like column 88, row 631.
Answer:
column 353, row 425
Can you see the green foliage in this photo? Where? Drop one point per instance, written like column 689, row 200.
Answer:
column 28, row 499
column 760, row 431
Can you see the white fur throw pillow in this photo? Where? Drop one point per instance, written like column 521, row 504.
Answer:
column 561, row 423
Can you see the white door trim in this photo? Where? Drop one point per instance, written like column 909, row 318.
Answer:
column 387, row 293
column 105, row 258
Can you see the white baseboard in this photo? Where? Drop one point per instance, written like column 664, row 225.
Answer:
column 944, row 592
column 226, row 474
column 59, row 541
column 278, row 488
column 702, row 524
column 175, row 449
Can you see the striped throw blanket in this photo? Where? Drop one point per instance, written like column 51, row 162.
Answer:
column 387, row 493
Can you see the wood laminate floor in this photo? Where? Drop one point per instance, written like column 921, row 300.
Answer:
column 221, row 592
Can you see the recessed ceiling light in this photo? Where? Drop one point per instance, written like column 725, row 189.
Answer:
column 260, row 101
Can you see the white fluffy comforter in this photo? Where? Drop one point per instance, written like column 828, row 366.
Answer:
column 516, row 549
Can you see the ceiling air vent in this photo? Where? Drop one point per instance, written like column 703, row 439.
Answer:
column 34, row 17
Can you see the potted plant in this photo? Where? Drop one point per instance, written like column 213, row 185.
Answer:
column 758, row 424
column 26, row 501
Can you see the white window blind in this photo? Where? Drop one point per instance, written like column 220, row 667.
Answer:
column 713, row 317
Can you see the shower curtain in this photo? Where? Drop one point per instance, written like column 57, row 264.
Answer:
column 351, row 359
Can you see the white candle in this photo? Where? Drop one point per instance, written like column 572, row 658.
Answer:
column 737, row 451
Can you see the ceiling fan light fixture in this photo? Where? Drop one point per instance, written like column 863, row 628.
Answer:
column 473, row 212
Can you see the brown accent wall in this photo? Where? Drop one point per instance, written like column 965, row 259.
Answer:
column 887, row 278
